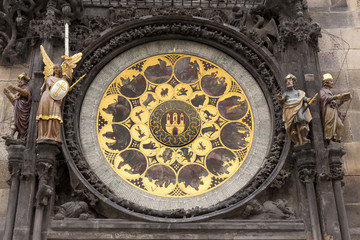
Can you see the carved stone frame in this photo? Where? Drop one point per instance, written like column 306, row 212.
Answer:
column 257, row 61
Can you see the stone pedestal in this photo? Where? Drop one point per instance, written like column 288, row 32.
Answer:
column 305, row 160
column 45, row 170
column 15, row 151
column 335, row 153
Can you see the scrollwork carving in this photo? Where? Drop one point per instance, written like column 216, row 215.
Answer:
column 30, row 19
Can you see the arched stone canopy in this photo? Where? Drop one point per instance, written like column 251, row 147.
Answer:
column 257, row 61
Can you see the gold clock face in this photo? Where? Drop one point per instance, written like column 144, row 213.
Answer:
column 175, row 125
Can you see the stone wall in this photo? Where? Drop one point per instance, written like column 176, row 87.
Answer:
column 340, row 55
column 340, row 20
column 8, row 75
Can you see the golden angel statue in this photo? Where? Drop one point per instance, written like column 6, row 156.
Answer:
column 54, row 89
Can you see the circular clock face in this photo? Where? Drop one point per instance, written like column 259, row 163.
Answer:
column 169, row 129
column 175, row 125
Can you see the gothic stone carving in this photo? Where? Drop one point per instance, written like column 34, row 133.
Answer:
column 15, row 157
column 75, row 209
column 277, row 209
column 24, row 21
column 305, row 157
column 280, row 179
column 202, row 33
column 45, row 170
column 257, row 23
column 336, row 151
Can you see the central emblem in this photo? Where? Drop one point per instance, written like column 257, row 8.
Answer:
column 175, row 123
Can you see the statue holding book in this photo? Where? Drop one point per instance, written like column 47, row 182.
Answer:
column 332, row 118
column 21, row 101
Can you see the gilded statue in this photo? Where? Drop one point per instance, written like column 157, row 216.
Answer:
column 332, row 118
column 296, row 114
column 22, row 106
column 54, row 89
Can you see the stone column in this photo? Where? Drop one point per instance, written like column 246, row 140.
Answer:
column 335, row 153
column 15, row 158
column 305, row 160
column 45, row 170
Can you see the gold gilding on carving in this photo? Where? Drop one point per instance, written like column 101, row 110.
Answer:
column 175, row 125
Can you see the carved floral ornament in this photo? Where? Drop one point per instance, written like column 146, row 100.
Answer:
column 119, row 41
column 26, row 21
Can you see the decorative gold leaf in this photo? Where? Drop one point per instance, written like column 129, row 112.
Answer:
column 49, row 65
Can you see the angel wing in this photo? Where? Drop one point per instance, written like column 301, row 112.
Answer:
column 72, row 60
column 49, row 65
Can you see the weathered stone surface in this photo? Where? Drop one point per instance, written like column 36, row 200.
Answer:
column 334, row 19
column 352, row 59
column 319, row 4
column 338, row 4
column 5, row 74
column 355, row 103
column 4, row 195
column 353, row 78
column 221, row 229
column 4, row 173
column 353, row 213
column 351, row 36
column 351, row 189
column 353, row 118
column 351, row 159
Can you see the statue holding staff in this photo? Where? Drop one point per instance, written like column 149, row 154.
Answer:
column 22, row 106
column 54, row 89
column 332, row 118
column 296, row 114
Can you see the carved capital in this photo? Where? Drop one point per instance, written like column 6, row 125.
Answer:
column 15, row 158
column 335, row 153
column 46, row 152
column 305, row 161
column 307, row 175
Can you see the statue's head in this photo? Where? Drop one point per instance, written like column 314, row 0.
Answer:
column 23, row 78
column 57, row 70
column 290, row 80
column 327, row 80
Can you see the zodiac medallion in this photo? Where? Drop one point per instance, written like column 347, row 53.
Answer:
column 175, row 125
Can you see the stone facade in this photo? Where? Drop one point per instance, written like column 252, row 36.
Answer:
column 340, row 21
column 305, row 185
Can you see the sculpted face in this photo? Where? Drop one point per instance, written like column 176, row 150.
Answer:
column 330, row 83
column 21, row 81
column 57, row 70
column 289, row 83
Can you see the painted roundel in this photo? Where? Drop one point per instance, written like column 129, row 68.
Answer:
column 175, row 125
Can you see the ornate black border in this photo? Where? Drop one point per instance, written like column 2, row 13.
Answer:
column 258, row 61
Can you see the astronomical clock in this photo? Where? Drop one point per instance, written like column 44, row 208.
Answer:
column 174, row 128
